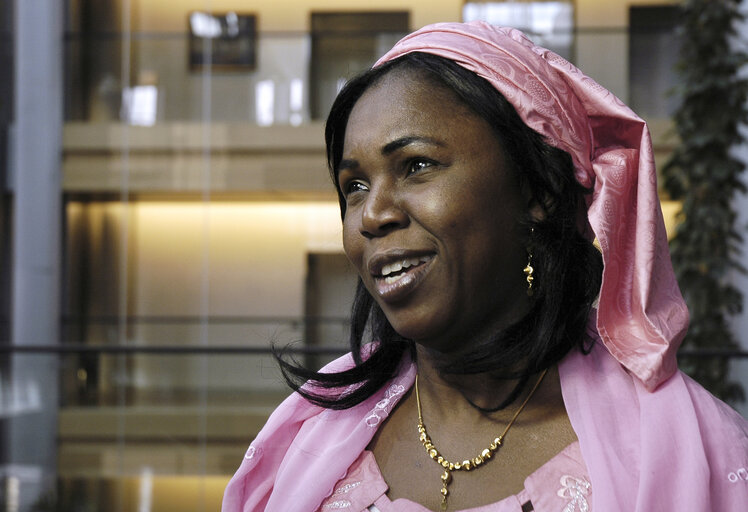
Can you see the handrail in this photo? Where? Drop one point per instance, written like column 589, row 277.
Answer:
column 81, row 348
column 197, row 319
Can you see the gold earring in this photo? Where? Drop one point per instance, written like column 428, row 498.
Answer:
column 528, row 273
column 528, row 269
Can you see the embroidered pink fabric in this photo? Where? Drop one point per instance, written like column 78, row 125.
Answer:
column 561, row 484
column 642, row 317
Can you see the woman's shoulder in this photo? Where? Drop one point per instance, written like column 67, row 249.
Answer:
column 722, row 420
column 302, row 442
column 676, row 447
column 598, row 373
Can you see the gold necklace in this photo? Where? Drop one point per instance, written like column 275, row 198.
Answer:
column 467, row 464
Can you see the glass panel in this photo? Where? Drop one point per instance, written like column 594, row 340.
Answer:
column 654, row 49
column 153, row 440
column 548, row 24
column 345, row 44
column 163, row 88
column 94, row 91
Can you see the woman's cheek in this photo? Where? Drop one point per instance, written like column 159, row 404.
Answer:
column 352, row 246
column 429, row 207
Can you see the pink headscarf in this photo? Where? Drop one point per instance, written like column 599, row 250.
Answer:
column 642, row 317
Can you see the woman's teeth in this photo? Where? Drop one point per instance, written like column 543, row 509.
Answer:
column 400, row 265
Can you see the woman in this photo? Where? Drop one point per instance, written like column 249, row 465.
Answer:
column 474, row 169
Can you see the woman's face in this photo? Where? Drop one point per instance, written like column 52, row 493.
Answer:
column 432, row 212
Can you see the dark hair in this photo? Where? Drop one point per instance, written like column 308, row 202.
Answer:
column 568, row 268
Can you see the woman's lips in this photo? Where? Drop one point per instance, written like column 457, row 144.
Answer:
column 400, row 278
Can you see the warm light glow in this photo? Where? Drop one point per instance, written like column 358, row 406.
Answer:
column 670, row 210
column 177, row 492
column 241, row 258
column 145, row 488
column 182, row 493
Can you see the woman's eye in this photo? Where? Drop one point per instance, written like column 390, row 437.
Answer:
column 353, row 186
column 418, row 165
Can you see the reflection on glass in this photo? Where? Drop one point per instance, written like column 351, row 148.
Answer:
column 548, row 24
column 296, row 101
column 146, row 490
column 265, row 102
column 139, row 105
column 205, row 25
column 19, row 396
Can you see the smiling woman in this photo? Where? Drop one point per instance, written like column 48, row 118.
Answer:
column 474, row 169
column 410, row 147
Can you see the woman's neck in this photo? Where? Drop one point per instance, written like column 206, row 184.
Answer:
column 460, row 391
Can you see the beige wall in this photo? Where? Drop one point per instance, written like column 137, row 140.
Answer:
column 285, row 15
column 609, row 13
column 241, row 254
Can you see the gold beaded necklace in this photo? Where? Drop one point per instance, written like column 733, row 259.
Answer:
column 467, row 464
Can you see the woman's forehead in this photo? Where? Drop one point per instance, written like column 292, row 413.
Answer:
column 402, row 101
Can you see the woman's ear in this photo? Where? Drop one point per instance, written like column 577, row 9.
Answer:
column 537, row 212
column 536, row 209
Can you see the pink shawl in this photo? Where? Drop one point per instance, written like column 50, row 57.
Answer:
column 652, row 439
column 677, row 448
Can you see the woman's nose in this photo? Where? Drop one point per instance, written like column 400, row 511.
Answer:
column 382, row 213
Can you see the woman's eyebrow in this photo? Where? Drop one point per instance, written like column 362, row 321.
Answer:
column 396, row 144
column 347, row 163
column 391, row 147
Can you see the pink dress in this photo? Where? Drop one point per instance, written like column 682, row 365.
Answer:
column 560, row 484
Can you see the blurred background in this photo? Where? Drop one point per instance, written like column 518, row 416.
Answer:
column 166, row 215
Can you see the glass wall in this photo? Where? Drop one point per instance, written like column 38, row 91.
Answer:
column 653, row 55
column 549, row 24
column 164, row 87
column 199, row 228
column 284, row 78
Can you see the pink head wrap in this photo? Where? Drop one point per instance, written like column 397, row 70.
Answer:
column 641, row 317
